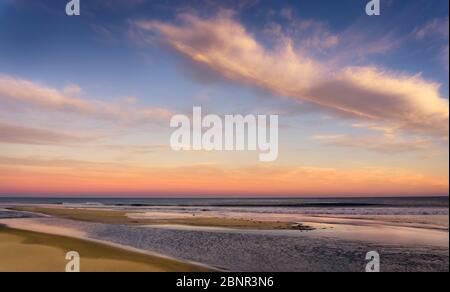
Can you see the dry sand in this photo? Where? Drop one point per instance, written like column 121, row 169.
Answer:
column 22, row 250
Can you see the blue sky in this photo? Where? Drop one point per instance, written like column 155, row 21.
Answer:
column 354, row 92
column 40, row 42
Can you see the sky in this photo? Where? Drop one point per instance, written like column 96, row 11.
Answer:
column 86, row 101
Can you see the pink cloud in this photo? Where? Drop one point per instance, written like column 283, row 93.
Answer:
column 25, row 94
column 371, row 94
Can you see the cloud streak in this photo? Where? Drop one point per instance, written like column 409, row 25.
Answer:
column 24, row 135
column 436, row 31
column 384, row 144
column 376, row 95
column 25, row 95
column 436, row 27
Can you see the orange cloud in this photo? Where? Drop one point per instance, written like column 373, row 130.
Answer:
column 399, row 101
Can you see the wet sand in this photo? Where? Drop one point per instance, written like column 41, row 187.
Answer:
column 257, row 250
column 122, row 217
column 335, row 243
column 24, row 251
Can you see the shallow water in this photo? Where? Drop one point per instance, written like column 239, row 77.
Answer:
column 408, row 238
column 376, row 234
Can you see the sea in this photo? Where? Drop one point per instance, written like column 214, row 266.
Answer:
column 344, row 206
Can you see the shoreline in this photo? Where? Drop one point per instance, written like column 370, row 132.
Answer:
column 110, row 216
column 419, row 230
column 107, row 256
column 334, row 243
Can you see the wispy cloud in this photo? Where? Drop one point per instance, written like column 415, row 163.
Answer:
column 25, row 95
column 435, row 27
column 310, row 35
column 25, row 135
column 384, row 144
column 50, row 163
column 370, row 94
column 436, row 31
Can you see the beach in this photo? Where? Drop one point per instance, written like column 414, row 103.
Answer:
column 28, row 251
column 225, row 137
column 243, row 238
